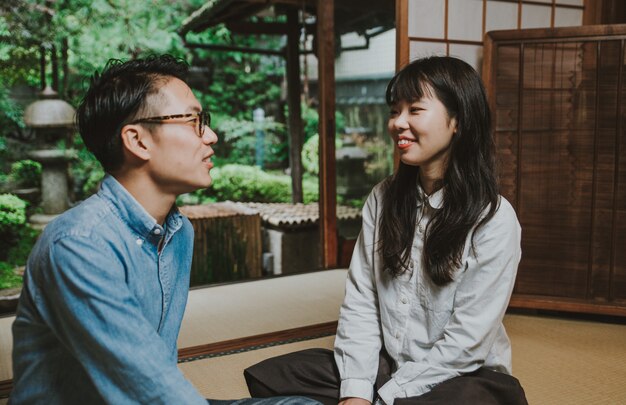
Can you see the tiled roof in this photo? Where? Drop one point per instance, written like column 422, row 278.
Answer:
column 297, row 215
column 276, row 214
column 219, row 209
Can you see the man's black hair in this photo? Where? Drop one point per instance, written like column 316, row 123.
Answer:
column 116, row 96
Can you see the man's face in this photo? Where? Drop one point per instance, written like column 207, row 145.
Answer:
column 180, row 159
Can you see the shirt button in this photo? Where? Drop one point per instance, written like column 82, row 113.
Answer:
column 157, row 231
column 404, row 300
column 397, row 335
column 139, row 242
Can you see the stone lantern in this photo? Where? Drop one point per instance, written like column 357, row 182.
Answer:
column 352, row 179
column 52, row 119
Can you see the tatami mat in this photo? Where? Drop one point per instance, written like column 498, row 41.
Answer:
column 222, row 377
column 573, row 362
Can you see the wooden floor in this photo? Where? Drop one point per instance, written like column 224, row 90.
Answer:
column 227, row 328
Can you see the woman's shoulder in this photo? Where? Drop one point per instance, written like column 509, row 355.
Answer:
column 374, row 201
column 379, row 188
column 505, row 207
column 378, row 191
column 504, row 214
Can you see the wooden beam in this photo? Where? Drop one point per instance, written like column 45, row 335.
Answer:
column 293, row 101
column 256, row 28
column 253, row 342
column 567, row 305
column 230, row 48
column 327, row 175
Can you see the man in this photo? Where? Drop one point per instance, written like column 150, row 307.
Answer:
column 106, row 284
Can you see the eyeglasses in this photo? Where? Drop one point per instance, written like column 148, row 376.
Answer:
column 200, row 120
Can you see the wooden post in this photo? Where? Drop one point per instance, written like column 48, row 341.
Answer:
column 402, row 33
column 293, row 102
column 402, row 49
column 327, row 179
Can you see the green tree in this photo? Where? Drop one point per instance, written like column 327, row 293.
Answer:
column 98, row 30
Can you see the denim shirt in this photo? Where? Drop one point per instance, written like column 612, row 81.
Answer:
column 433, row 333
column 101, row 308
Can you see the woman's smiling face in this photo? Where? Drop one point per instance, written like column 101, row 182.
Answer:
column 422, row 132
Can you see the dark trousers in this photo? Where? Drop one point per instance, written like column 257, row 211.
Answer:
column 313, row 373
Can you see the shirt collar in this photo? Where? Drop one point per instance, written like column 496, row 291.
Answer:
column 128, row 209
column 435, row 200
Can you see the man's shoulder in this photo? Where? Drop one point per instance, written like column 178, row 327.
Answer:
column 87, row 219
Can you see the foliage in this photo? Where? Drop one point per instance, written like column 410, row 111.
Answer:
column 91, row 183
column 12, row 220
column 15, row 256
column 230, row 84
column 18, row 254
column 240, row 82
column 8, row 277
column 310, row 149
column 249, row 183
column 239, row 141
column 86, row 171
column 311, row 155
column 25, row 173
column 12, row 212
column 310, row 118
column 10, row 117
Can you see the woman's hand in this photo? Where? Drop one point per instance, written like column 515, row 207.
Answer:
column 354, row 401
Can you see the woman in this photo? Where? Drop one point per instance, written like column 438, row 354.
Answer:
column 434, row 266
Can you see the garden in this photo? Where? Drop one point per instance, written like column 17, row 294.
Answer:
column 62, row 43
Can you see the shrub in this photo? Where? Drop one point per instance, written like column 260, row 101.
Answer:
column 26, row 173
column 311, row 155
column 17, row 255
column 92, row 182
column 249, row 183
column 12, row 220
column 8, row 278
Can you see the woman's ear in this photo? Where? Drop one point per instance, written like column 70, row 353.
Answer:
column 136, row 140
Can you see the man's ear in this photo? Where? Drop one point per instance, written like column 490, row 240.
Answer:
column 136, row 140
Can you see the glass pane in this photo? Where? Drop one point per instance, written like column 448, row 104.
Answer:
column 419, row 49
column 534, row 16
column 472, row 54
column 360, row 62
column 501, row 16
column 426, row 18
column 465, row 20
column 566, row 17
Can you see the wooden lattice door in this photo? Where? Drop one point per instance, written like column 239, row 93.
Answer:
column 558, row 97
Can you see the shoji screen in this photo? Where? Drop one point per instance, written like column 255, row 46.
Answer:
column 457, row 27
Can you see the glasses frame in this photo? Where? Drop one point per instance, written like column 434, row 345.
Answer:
column 203, row 118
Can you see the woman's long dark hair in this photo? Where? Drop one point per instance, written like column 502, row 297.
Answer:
column 469, row 182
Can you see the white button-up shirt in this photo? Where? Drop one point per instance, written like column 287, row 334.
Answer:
column 432, row 333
